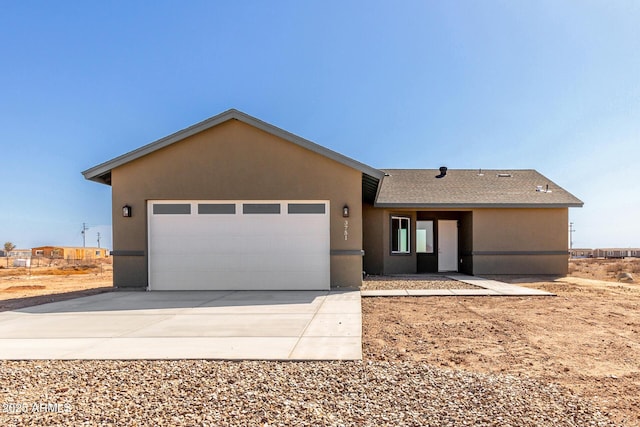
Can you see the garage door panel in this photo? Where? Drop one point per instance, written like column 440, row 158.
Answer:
column 173, row 280
column 197, row 244
column 258, row 263
column 293, row 280
column 239, row 251
column 168, row 280
column 169, row 262
column 309, row 263
column 303, row 247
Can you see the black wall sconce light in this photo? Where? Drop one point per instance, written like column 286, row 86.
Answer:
column 126, row 211
column 345, row 211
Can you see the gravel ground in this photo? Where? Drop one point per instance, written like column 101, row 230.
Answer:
column 371, row 283
column 216, row 393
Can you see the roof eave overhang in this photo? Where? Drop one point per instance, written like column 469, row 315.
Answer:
column 100, row 172
column 102, row 178
column 476, row 205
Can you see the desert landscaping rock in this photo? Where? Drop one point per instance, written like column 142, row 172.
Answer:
column 210, row 393
column 371, row 283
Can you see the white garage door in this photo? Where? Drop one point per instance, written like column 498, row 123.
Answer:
column 238, row 245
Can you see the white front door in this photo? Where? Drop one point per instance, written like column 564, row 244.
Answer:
column 447, row 245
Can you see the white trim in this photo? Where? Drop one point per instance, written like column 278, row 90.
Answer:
column 401, row 218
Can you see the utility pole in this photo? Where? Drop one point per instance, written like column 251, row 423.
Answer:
column 84, row 235
column 98, row 239
column 571, row 230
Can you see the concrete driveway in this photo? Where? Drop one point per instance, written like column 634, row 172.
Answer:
column 280, row 325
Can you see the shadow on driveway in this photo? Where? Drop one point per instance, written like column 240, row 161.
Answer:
column 18, row 303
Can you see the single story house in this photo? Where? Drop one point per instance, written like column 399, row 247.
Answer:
column 236, row 203
column 69, row 253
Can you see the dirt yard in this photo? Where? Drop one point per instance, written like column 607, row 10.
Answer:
column 587, row 339
column 24, row 287
column 604, row 269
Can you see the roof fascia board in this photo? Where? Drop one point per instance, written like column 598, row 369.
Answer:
column 477, row 205
column 375, row 201
column 95, row 172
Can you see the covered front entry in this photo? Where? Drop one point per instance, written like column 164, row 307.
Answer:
column 444, row 241
column 238, row 245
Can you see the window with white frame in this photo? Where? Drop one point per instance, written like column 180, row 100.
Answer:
column 400, row 232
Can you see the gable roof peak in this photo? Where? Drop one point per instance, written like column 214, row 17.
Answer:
column 102, row 172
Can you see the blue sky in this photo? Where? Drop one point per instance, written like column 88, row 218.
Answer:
column 548, row 85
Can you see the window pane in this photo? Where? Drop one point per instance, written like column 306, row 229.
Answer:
column 222, row 208
column 172, row 209
column 395, row 226
column 261, row 208
column 424, row 237
column 403, row 239
column 306, row 208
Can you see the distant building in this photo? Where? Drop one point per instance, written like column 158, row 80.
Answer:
column 68, row 253
column 581, row 253
column 20, row 253
column 617, row 253
column 22, row 262
column 606, row 253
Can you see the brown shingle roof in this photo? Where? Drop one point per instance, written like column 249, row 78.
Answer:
column 470, row 188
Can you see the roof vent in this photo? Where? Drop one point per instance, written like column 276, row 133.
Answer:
column 443, row 172
column 539, row 189
column 504, row 175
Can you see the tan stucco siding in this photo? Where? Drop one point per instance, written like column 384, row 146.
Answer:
column 492, row 241
column 520, row 264
column 235, row 161
column 520, row 241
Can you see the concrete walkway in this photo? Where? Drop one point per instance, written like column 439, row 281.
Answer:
column 489, row 288
column 284, row 325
